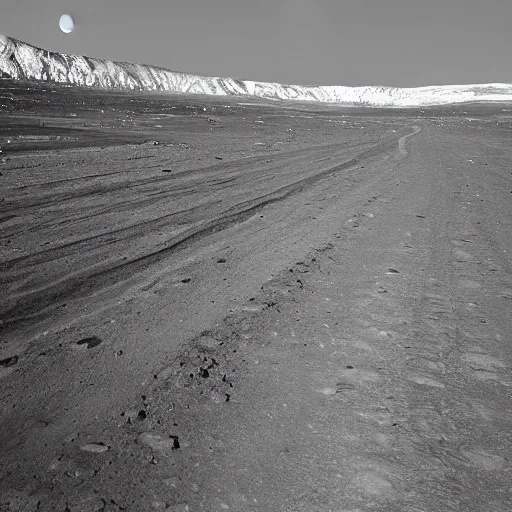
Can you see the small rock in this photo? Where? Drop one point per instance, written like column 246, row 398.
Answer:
column 91, row 342
column 172, row 481
column 328, row 391
column 382, row 290
column 159, row 505
column 94, row 448
column 253, row 309
column 166, row 373
column 209, row 342
column 131, row 416
column 159, row 443
column 180, row 507
column 87, row 503
column 72, row 437
column 9, row 361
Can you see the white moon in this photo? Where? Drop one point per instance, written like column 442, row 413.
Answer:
column 66, row 23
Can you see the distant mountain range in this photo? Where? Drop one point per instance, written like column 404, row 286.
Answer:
column 23, row 61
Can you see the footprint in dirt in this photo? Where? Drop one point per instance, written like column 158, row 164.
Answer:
column 350, row 379
column 438, row 304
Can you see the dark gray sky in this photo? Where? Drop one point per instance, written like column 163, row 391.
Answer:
column 403, row 43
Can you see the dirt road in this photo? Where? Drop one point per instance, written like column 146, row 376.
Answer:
column 214, row 306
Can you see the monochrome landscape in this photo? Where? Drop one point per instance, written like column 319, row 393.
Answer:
column 232, row 295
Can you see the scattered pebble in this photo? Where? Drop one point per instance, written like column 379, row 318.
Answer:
column 186, row 280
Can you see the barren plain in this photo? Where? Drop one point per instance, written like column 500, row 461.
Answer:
column 216, row 304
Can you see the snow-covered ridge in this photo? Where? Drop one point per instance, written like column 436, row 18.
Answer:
column 19, row 60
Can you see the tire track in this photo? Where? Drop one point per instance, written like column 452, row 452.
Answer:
column 25, row 306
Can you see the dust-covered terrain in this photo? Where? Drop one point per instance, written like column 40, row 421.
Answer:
column 227, row 304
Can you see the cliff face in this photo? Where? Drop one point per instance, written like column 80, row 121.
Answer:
column 19, row 60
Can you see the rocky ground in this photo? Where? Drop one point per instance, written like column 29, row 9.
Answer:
column 221, row 304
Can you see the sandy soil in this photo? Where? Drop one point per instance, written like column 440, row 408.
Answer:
column 214, row 304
